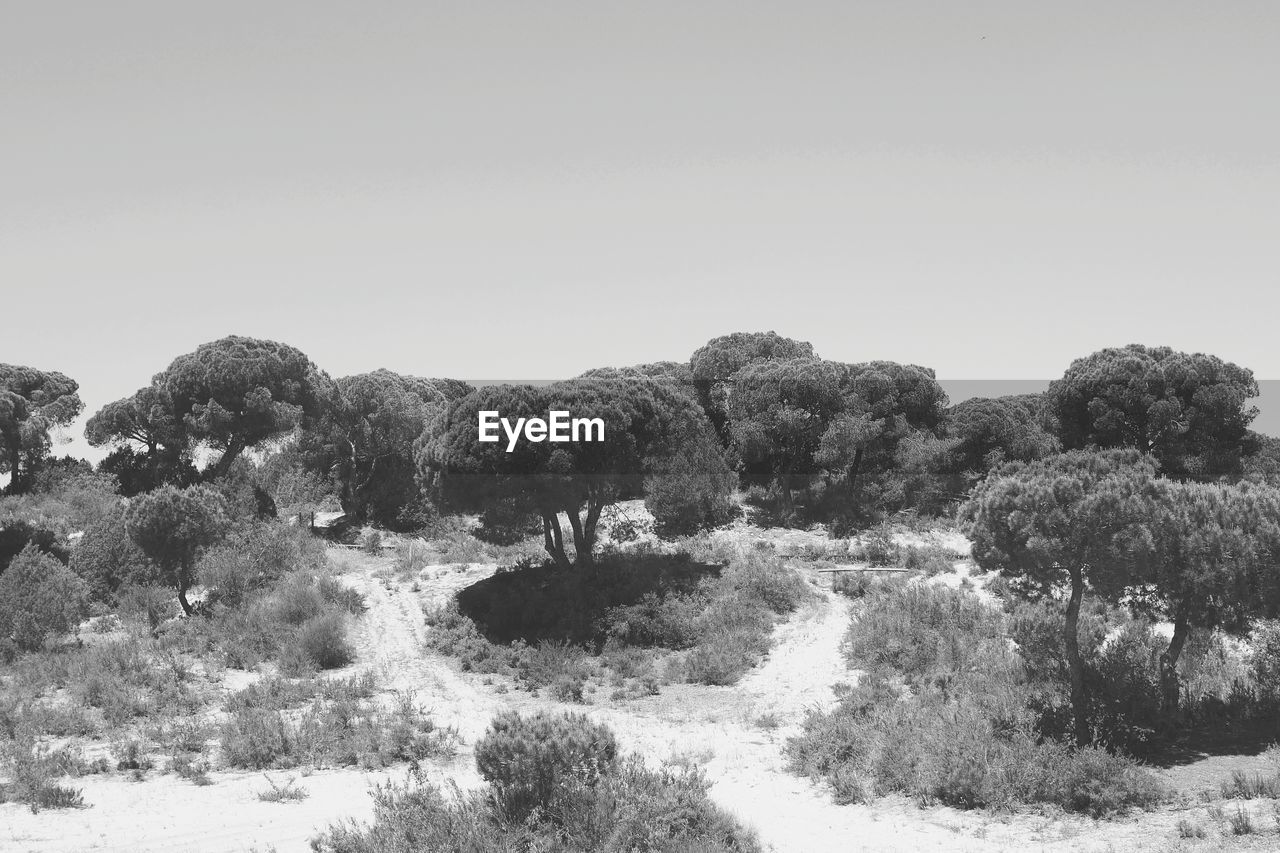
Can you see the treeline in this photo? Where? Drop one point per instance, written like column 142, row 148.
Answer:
column 811, row 440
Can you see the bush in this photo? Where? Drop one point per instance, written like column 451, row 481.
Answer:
column 601, row 804
column 39, row 596
column 920, row 630
column 931, row 561
column 33, row 769
column 107, row 559
column 532, row 760
column 689, row 490
column 322, row 642
column 334, row 730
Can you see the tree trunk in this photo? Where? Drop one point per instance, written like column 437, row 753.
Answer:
column 553, row 539
column 852, row 477
column 582, row 549
column 229, row 456
column 182, row 599
column 1071, row 640
column 784, row 487
column 1169, row 666
column 19, row 480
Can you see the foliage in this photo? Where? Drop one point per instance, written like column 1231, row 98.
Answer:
column 713, row 364
column 529, row 761
column 332, row 732
column 39, row 596
column 1068, row 521
column 643, row 420
column 171, row 525
column 962, row 732
column 1187, row 410
column 779, row 412
column 992, row 431
column 107, row 559
column 237, row 392
column 364, row 441
column 150, row 446
column 32, row 403
column 630, row 809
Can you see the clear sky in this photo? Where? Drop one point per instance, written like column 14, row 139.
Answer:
column 526, row 190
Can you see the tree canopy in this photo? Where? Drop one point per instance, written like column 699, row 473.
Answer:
column 642, row 421
column 365, row 440
column 149, row 440
column 32, row 403
column 1188, row 410
column 995, row 430
column 779, row 412
column 1209, row 562
column 171, row 526
column 237, row 392
column 713, row 364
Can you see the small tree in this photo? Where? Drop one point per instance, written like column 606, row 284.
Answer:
column 107, row 559
column 1074, row 522
column 1209, row 559
column 39, row 596
column 171, row 526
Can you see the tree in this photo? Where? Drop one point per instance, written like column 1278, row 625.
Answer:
column 577, row 478
column 1072, row 521
column 39, row 596
column 32, row 402
column 884, row 444
column 714, row 363
column 1187, row 410
column 237, row 392
column 107, row 559
column 365, row 441
column 779, row 412
column 149, row 441
column 171, row 525
column 1209, row 557
column 995, row 430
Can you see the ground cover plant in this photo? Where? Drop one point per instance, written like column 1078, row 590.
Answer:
column 553, row 783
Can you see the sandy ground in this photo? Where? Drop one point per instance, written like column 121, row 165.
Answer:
column 717, row 727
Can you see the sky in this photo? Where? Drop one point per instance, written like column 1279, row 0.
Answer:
column 518, row 190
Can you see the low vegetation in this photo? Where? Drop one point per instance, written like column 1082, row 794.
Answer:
column 941, row 714
column 633, row 614
column 554, row 783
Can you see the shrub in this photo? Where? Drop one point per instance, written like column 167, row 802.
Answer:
column 39, row 596
column 919, row 630
column 930, row 561
column 151, row 605
column 334, row 592
column 337, row 729
column 371, row 541
column 107, row 558
column 604, row 805
column 689, row 489
column 322, row 641
column 33, row 769
column 530, row 760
